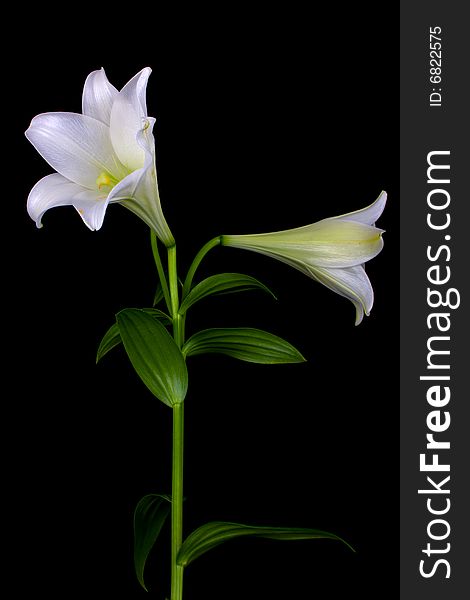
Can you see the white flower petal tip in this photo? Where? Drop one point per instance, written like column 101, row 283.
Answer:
column 369, row 215
column 143, row 75
column 98, row 96
column 129, row 108
column 352, row 283
column 106, row 154
column 332, row 251
column 55, row 190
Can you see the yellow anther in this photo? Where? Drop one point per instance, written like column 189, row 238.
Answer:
column 103, row 179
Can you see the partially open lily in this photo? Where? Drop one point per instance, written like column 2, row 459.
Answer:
column 332, row 251
column 106, row 154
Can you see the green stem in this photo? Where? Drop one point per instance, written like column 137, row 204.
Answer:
column 178, row 440
column 161, row 272
column 177, row 501
column 196, row 262
column 178, row 320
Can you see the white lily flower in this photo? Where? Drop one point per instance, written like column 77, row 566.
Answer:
column 332, row 251
column 105, row 155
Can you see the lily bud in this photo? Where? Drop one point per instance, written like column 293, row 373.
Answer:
column 332, row 251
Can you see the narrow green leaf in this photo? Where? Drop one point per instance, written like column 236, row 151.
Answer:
column 154, row 355
column 210, row 535
column 224, row 283
column 244, row 343
column 112, row 337
column 158, row 314
column 149, row 517
column 159, row 295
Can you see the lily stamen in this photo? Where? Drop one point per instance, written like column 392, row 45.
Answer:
column 103, row 179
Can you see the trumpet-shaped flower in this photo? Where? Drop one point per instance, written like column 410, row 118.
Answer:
column 105, row 155
column 332, row 251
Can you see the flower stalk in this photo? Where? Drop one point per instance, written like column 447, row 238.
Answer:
column 160, row 271
column 177, row 501
column 178, row 439
column 197, row 261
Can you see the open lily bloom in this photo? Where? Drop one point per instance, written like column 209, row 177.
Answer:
column 332, row 251
column 106, row 154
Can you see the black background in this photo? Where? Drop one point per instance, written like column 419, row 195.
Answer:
column 265, row 121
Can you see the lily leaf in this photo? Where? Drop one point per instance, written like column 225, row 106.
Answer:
column 149, row 517
column 244, row 343
column 159, row 295
column 212, row 534
column 158, row 314
column 224, row 283
column 154, row 355
column 112, row 337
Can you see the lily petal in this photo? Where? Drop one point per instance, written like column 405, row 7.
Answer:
column 368, row 215
column 129, row 107
column 338, row 244
column 50, row 191
column 139, row 191
column 98, row 96
column 330, row 243
column 76, row 146
column 91, row 206
column 55, row 190
column 128, row 187
column 352, row 283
